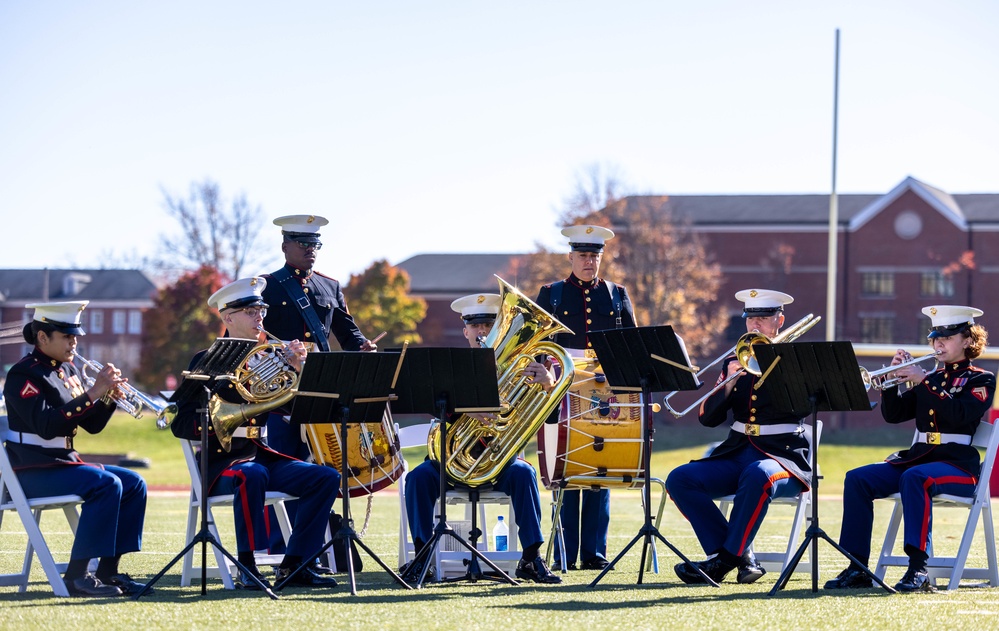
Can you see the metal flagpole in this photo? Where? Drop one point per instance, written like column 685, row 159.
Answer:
column 831, row 275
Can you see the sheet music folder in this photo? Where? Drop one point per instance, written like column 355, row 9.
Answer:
column 794, row 372
column 466, row 377
column 331, row 380
column 627, row 356
column 221, row 359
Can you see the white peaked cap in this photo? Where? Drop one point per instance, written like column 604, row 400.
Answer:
column 587, row 238
column 763, row 301
column 948, row 320
column 477, row 307
column 244, row 292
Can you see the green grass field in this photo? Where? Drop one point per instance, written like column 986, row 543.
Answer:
column 662, row 602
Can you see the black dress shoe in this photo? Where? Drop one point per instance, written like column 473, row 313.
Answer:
column 851, row 578
column 596, row 563
column 536, row 571
column 915, row 581
column 410, row 572
column 126, row 584
column 243, row 581
column 715, row 568
column 89, row 586
column 749, row 569
column 320, row 569
column 557, row 567
column 305, row 578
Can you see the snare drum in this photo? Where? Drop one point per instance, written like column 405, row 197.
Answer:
column 599, row 433
column 374, row 459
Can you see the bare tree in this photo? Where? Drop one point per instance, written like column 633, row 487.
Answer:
column 213, row 232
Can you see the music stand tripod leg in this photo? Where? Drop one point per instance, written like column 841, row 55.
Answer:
column 204, row 535
column 813, row 533
column 648, row 530
column 346, row 531
column 443, row 529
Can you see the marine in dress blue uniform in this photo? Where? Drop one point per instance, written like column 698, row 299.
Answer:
column 305, row 305
column 764, row 456
column 517, row 479
column 584, row 302
column 251, row 468
column 947, row 405
column 47, row 403
column 308, row 306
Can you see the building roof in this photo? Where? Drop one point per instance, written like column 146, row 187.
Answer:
column 29, row 285
column 708, row 210
column 457, row 274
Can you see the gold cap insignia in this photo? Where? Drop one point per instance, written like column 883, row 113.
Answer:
column 933, row 311
column 754, row 294
column 481, row 299
column 253, row 282
column 311, row 219
column 589, row 230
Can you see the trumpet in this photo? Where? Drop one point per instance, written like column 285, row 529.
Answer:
column 881, row 379
column 130, row 399
column 744, row 354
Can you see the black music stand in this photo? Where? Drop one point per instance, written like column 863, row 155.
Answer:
column 644, row 359
column 353, row 387
column 440, row 381
column 212, row 372
column 803, row 378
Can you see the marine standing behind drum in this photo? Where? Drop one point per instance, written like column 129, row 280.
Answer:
column 584, row 302
column 47, row 403
column 251, row 468
column 517, row 479
column 305, row 305
column 947, row 404
column 765, row 456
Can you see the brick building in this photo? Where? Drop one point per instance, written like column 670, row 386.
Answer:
column 113, row 320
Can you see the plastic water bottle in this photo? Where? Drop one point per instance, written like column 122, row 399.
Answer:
column 501, row 534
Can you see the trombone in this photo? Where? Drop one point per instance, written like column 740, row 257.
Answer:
column 130, row 399
column 880, row 379
column 744, row 354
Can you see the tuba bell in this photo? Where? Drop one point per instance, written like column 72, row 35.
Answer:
column 517, row 338
column 265, row 378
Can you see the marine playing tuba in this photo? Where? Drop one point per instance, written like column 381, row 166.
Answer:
column 517, row 338
column 265, row 378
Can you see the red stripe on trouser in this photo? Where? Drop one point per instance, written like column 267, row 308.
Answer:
column 928, row 503
column 244, row 506
column 781, row 475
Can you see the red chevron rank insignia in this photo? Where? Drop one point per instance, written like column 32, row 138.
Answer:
column 29, row 390
column 980, row 393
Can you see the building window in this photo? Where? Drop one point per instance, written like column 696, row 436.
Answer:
column 135, row 322
column 880, row 284
column 96, row 322
column 118, row 322
column 922, row 330
column 934, row 284
column 876, row 330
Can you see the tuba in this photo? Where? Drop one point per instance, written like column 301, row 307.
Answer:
column 517, row 338
column 265, row 378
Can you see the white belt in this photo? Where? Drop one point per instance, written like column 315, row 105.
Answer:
column 252, row 433
column 765, row 430
column 25, row 438
column 936, row 438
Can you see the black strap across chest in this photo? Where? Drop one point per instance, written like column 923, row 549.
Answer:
column 294, row 290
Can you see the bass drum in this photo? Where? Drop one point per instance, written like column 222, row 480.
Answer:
column 374, row 459
column 599, row 434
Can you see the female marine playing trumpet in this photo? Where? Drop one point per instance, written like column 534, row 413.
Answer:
column 947, row 404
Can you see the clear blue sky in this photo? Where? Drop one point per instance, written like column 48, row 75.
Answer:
column 458, row 126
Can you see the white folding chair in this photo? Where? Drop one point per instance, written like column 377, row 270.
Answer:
column 773, row 560
column 30, row 512
column 450, row 560
column 189, row 570
column 979, row 505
